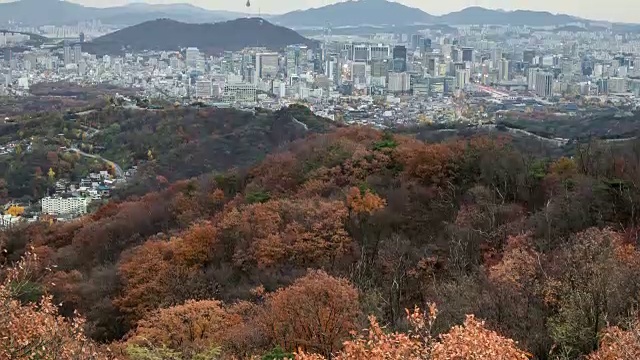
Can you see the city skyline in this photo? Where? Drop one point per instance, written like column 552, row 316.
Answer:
column 615, row 10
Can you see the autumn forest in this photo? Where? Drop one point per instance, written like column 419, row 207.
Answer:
column 351, row 243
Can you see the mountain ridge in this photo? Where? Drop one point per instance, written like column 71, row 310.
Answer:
column 53, row 12
column 167, row 34
column 384, row 12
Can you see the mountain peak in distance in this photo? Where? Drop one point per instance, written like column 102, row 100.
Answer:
column 166, row 34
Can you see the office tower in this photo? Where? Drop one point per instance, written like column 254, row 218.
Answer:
column 431, row 63
column 361, row 53
column 455, row 54
column 528, row 56
column 77, row 53
column 544, row 84
column 379, row 68
column 346, row 51
column 67, row 53
column 379, row 52
column 503, row 70
column 416, row 41
column 81, row 37
column 204, row 89
column 400, row 58
column 292, row 55
column 267, row 65
column 462, row 78
column 192, row 55
column 359, row 73
column 496, row 55
column 467, row 54
column 616, row 85
column 399, row 82
column 531, row 78
column 426, row 46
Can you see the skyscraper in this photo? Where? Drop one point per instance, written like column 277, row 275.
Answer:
column 462, row 78
column 67, row 53
column 192, row 55
column 503, row 70
column 531, row 78
column 544, row 84
column 379, row 52
column 267, row 65
column 426, row 46
column 467, row 54
column 361, row 53
column 400, row 58
column 528, row 56
column 77, row 53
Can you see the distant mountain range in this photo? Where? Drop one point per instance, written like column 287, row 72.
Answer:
column 165, row 34
column 353, row 13
column 55, row 12
column 343, row 14
column 383, row 12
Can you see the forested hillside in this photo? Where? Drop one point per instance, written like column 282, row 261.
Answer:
column 346, row 230
column 167, row 145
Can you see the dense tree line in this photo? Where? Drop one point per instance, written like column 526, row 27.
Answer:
column 296, row 254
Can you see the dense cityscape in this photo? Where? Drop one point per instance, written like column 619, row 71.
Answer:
column 427, row 76
column 362, row 180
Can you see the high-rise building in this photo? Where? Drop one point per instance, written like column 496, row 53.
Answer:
column 544, row 84
column 399, row 82
column 416, row 42
column 379, row 52
column 531, row 78
column 192, row 55
column 400, row 58
column 267, row 65
column 361, row 53
column 455, row 54
column 379, row 68
column 204, row 89
column 503, row 70
column 81, row 37
column 77, row 53
column 462, row 78
column 467, row 54
column 616, row 85
column 528, row 56
column 426, row 46
column 67, row 53
column 359, row 73
column 292, row 54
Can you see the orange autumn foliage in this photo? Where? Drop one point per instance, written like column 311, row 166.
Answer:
column 191, row 328
column 364, row 202
column 472, row 341
column 31, row 331
column 144, row 272
column 467, row 342
column 307, row 232
column 195, row 246
column 618, row 344
column 316, row 313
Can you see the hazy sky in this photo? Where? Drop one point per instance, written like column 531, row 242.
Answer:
column 614, row 10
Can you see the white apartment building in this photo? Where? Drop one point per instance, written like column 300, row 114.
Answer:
column 65, row 206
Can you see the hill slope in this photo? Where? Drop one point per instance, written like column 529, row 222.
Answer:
column 384, row 12
column 479, row 15
column 363, row 12
column 165, row 34
column 52, row 12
